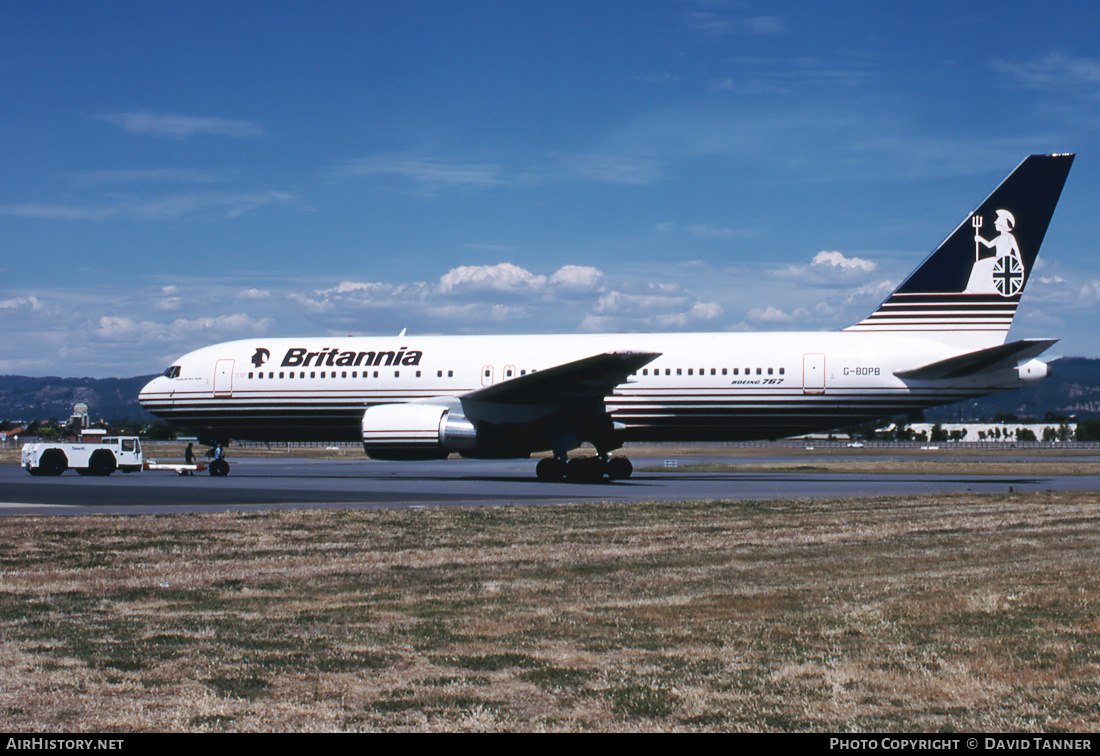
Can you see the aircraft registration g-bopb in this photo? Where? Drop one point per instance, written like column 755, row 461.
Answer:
column 940, row 337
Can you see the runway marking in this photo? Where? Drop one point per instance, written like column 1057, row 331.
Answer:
column 23, row 505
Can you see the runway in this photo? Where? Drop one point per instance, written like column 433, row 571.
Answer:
column 256, row 484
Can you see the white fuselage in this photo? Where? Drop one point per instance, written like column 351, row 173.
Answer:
column 703, row 386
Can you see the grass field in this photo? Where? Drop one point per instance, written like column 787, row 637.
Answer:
column 973, row 613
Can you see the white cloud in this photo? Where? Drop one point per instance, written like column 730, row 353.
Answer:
column 706, row 231
column 717, row 24
column 432, row 174
column 168, row 207
column 771, row 314
column 829, row 267
column 508, row 277
column 119, row 328
column 426, row 171
column 147, row 176
column 31, row 302
column 577, row 278
column 838, row 260
column 1054, row 70
column 500, row 277
column 1089, row 295
column 112, row 327
column 237, row 323
column 181, row 126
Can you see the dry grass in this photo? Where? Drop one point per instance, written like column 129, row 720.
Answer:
column 959, row 612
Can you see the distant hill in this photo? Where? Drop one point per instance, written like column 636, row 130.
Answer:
column 110, row 399
column 1073, row 388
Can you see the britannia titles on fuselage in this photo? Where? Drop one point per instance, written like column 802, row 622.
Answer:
column 334, row 357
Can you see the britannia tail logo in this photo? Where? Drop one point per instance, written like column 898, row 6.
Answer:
column 260, row 357
column 1003, row 272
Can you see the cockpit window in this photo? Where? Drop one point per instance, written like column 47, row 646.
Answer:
column 172, row 372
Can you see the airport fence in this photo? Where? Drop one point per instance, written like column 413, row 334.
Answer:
column 788, row 443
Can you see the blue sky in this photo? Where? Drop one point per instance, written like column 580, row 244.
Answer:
column 175, row 174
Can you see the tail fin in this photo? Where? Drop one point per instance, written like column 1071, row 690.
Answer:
column 971, row 285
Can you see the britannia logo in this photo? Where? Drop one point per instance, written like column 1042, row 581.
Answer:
column 1003, row 273
column 260, row 357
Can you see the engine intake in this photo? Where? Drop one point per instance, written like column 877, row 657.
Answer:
column 415, row 431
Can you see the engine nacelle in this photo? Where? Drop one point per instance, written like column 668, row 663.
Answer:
column 415, row 431
column 1032, row 371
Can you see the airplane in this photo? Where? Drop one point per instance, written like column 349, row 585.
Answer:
column 940, row 337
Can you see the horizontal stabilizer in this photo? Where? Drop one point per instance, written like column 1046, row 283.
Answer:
column 590, row 378
column 1001, row 357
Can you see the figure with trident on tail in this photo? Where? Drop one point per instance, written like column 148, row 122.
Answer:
column 1003, row 273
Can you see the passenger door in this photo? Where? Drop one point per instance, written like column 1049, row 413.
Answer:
column 813, row 374
column 223, row 378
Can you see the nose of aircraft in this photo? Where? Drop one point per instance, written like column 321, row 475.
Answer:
column 150, row 390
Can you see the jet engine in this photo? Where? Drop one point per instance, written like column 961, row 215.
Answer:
column 415, row 431
column 1032, row 371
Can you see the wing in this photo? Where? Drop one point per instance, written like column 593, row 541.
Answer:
column 592, row 377
column 1001, row 357
column 579, row 386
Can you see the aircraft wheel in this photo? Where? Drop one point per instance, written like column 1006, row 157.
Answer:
column 619, row 468
column 550, row 469
column 584, row 470
column 219, row 468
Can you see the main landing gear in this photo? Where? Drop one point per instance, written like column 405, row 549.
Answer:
column 583, row 469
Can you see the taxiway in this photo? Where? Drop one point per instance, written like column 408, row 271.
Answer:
column 309, row 483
